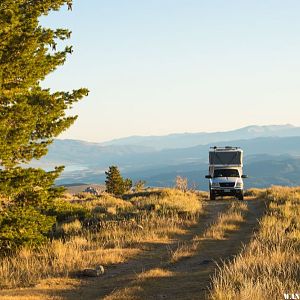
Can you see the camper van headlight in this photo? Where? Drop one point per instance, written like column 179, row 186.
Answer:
column 215, row 184
column 239, row 184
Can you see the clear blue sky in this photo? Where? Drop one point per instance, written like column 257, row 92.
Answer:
column 165, row 66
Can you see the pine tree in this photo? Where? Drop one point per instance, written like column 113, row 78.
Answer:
column 30, row 116
column 114, row 181
column 115, row 184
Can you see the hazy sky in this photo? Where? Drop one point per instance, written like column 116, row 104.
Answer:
column 166, row 66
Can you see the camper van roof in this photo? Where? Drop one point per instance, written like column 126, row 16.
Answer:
column 227, row 148
column 226, row 156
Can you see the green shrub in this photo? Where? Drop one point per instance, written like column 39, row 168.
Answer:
column 24, row 219
column 64, row 211
column 23, row 226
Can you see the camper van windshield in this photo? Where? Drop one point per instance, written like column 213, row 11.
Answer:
column 226, row 173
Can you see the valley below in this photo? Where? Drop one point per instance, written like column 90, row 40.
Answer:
column 271, row 157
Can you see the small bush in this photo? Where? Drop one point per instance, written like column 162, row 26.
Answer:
column 139, row 185
column 23, row 226
column 181, row 183
column 64, row 211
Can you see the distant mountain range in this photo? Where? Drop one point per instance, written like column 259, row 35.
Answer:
column 184, row 140
column 272, row 156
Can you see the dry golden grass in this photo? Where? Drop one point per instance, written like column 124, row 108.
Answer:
column 117, row 236
column 227, row 221
column 107, row 200
column 73, row 227
column 270, row 265
column 137, row 288
column 58, row 258
column 171, row 200
column 183, row 250
column 154, row 273
column 148, row 227
column 125, row 294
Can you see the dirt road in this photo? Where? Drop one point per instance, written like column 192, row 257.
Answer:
column 155, row 274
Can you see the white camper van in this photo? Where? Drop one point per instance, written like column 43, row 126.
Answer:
column 226, row 172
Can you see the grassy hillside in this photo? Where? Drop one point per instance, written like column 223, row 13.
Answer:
column 163, row 243
column 101, row 230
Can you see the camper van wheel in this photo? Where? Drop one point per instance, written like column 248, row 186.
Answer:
column 212, row 195
column 241, row 196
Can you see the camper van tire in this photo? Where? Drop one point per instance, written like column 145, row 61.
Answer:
column 241, row 196
column 212, row 195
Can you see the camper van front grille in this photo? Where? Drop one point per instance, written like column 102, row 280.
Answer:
column 227, row 184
